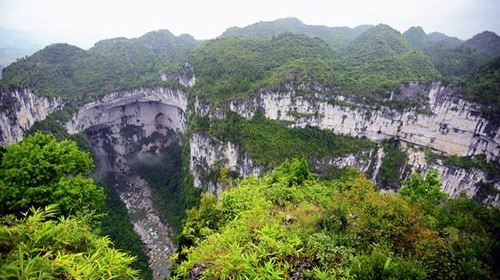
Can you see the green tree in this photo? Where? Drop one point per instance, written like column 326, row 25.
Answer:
column 38, row 246
column 40, row 171
column 427, row 190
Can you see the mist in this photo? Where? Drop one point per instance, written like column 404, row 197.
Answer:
column 82, row 23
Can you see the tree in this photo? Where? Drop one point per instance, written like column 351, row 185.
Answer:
column 40, row 171
column 38, row 246
column 424, row 190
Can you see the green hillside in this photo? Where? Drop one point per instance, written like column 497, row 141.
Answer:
column 115, row 64
column 381, row 58
column 335, row 36
column 375, row 63
column 236, row 67
column 290, row 225
column 483, row 87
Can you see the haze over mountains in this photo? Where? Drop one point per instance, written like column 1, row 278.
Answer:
column 18, row 43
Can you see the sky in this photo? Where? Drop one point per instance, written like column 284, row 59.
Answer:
column 83, row 22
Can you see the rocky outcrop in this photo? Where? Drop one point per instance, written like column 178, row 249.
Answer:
column 456, row 180
column 151, row 108
column 447, row 124
column 208, row 154
column 115, row 151
column 19, row 110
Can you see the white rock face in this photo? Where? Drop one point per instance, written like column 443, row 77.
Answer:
column 452, row 125
column 207, row 153
column 19, row 109
column 151, row 108
column 456, row 180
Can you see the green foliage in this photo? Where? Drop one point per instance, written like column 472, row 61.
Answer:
column 234, row 67
column 269, row 143
column 335, row 36
column 483, row 86
column 290, row 225
column 376, row 62
column 115, row 64
column 426, row 191
column 491, row 168
column 455, row 61
column 392, row 165
column 39, row 246
column 40, row 171
column 54, row 124
column 381, row 60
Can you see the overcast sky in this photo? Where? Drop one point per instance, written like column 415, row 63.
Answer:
column 83, row 22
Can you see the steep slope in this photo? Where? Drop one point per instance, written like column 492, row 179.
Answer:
column 381, row 58
column 417, row 37
column 483, row 87
column 291, row 225
column 374, row 64
column 335, row 36
column 116, row 64
column 441, row 38
column 486, row 42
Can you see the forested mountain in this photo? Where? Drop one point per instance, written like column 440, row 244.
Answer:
column 486, row 42
column 256, row 155
column 66, row 71
column 335, row 36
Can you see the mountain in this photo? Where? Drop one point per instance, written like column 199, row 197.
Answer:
column 438, row 37
column 70, row 72
column 381, row 58
column 483, row 86
column 449, row 55
column 335, row 36
column 168, row 118
column 417, row 37
column 15, row 44
column 486, row 42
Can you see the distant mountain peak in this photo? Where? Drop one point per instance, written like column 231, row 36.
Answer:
column 487, row 42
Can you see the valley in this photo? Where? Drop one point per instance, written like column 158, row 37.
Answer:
column 168, row 118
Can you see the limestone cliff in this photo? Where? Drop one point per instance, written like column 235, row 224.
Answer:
column 20, row 108
column 446, row 123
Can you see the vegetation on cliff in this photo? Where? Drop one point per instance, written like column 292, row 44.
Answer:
column 268, row 143
column 291, row 225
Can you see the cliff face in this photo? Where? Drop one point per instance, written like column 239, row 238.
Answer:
column 448, row 124
column 208, row 154
column 445, row 124
column 20, row 108
column 149, row 108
